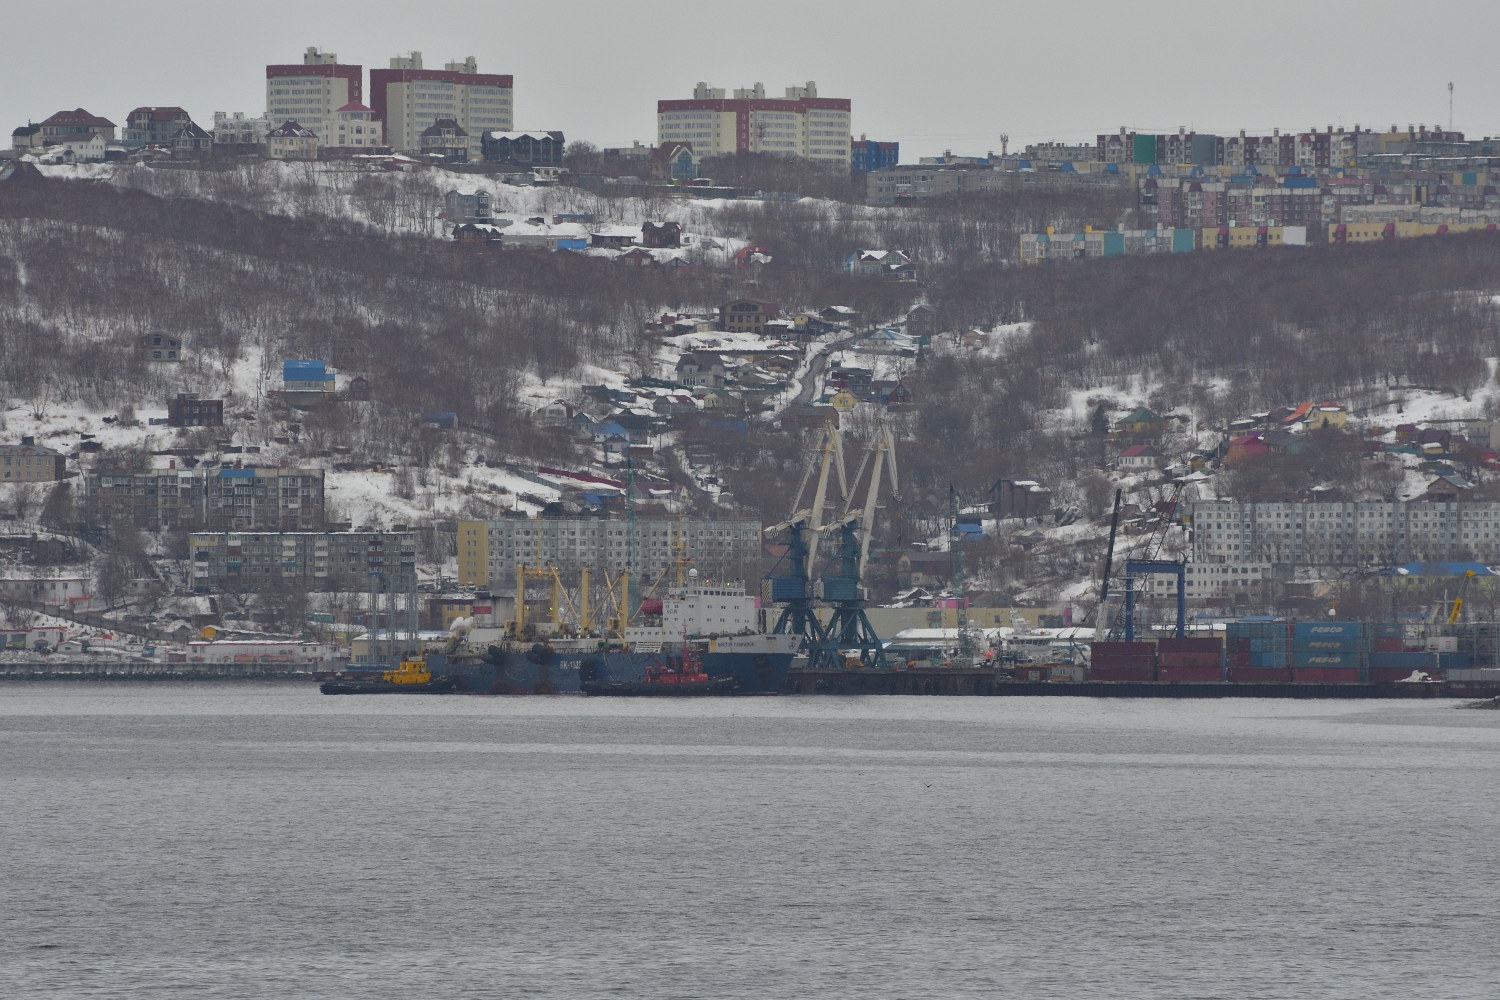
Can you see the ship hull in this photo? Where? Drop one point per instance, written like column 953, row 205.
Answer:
column 758, row 665
column 718, row 686
column 438, row 685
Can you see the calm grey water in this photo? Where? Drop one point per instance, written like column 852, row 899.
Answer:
column 222, row 841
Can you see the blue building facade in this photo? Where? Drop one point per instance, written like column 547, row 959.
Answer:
column 866, row 155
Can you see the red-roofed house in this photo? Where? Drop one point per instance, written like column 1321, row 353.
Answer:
column 154, row 126
column 1297, row 415
column 76, row 124
column 1141, row 458
column 1245, row 446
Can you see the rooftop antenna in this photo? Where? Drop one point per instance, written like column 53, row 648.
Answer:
column 1450, row 105
column 1004, row 144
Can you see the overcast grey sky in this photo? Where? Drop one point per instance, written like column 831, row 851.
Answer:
column 933, row 74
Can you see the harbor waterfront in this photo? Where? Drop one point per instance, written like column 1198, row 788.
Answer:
column 256, row 840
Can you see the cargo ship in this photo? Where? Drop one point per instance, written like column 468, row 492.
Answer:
column 717, row 624
column 1256, row 658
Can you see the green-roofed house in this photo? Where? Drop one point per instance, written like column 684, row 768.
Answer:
column 1141, row 422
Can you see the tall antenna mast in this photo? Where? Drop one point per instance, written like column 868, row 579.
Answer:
column 1450, row 105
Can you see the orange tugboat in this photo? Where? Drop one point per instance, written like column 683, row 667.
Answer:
column 411, row 677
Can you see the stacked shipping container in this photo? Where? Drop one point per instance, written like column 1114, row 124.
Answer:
column 1123, row 661
column 1280, row 652
column 1328, row 652
column 1190, row 660
column 1256, row 652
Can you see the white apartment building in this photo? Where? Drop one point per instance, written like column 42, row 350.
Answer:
column 1238, row 547
column 311, row 93
column 408, row 99
column 801, row 124
column 488, row 551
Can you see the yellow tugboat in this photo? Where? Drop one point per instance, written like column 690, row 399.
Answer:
column 411, row 677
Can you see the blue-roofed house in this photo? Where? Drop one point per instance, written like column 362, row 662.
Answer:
column 306, row 380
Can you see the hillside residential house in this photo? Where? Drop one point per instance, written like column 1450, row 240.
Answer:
column 306, row 382
column 352, row 131
column 84, row 148
column 29, row 462
column 897, row 264
column 1141, row 458
column 747, row 315
column 532, row 149
column 1142, row 422
column 187, row 410
column 446, row 140
column 75, row 124
column 699, row 369
column 661, row 236
column 26, row 137
column 554, row 414
column 1448, row 488
column 1245, row 446
column 675, row 162
column 239, row 133
column 154, row 126
column 614, row 237
column 924, row 569
column 160, row 347
column 921, row 323
column 190, row 142
column 475, row 207
column 1021, row 498
column 290, row 141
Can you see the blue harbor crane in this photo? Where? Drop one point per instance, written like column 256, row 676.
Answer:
column 849, row 633
column 794, row 591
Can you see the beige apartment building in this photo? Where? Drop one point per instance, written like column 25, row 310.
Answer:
column 801, row 124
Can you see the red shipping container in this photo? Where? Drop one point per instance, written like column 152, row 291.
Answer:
column 1189, row 675
column 1188, row 645
column 1187, row 659
column 1124, row 648
column 1122, row 660
column 1259, row 675
column 1122, row 673
column 1325, row 675
column 1388, row 644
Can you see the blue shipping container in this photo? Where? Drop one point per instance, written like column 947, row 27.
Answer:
column 1268, row 659
column 1324, row 630
column 1325, row 659
column 1322, row 645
